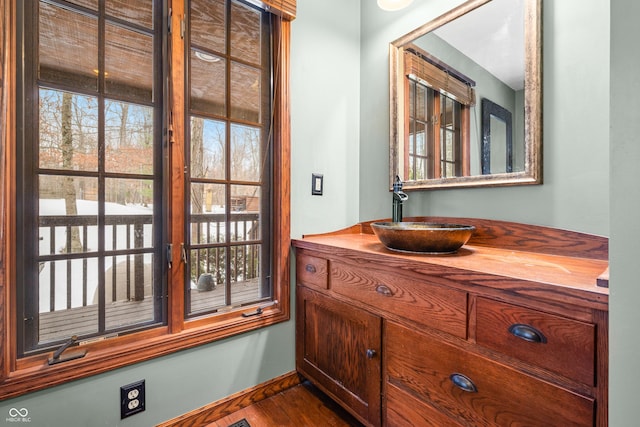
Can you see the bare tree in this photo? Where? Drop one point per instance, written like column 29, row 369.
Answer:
column 124, row 111
column 197, row 170
column 245, row 160
column 68, row 187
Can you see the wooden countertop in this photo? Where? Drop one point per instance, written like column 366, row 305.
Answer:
column 552, row 264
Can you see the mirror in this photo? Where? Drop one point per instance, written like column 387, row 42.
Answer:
column 466, row 98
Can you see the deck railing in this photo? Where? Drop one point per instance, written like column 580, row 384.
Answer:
column 131, row 237
column 221, row 252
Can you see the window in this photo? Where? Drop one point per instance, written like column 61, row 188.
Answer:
column 90, row 191
column 435, row 134
column 438, row 115
column 150, row 171
column 229, row 155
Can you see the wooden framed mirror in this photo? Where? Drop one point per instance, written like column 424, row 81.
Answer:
column 441, row 73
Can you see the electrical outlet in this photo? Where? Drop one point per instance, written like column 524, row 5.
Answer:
column 132, row 398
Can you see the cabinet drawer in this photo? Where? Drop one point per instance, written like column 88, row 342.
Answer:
column 561, row 345
column 429, row 304
column 311, row 271
column 496, row 394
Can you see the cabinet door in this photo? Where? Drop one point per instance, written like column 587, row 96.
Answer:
column 338, row 349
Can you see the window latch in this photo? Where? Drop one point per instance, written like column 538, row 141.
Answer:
column 59, row 358
column 258, row 310
column 170, row 255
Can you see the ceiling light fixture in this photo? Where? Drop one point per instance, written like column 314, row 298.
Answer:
column 393, row 5
column 206, row 57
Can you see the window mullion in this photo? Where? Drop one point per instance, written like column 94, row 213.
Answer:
column 27, row 257
column 177, row 167
column 228, row 186
column 101, row 168
column 465, row 139
column 437, row 133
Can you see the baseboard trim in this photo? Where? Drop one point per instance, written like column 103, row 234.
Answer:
column 214, row 411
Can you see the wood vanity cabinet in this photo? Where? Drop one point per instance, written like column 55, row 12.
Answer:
column 510, row 330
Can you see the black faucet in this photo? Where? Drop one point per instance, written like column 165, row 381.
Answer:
column 399, row 197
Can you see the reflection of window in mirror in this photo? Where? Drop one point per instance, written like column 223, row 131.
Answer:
column 437, row 119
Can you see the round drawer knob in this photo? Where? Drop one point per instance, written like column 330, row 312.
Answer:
column 371, row 353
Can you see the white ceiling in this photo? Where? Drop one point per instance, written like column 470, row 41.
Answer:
column 493, row 36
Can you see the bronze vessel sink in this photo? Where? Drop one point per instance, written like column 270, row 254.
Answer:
column 423, row 237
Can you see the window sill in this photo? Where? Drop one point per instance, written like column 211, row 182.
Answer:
column 33, row 373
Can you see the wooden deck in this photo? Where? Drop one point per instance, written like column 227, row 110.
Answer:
column 80, row 321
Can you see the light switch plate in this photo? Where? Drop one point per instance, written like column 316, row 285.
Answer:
column 316, row 184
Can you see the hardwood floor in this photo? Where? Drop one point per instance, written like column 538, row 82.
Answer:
column 300, row 406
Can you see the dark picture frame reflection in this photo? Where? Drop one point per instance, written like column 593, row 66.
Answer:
column 494, row 113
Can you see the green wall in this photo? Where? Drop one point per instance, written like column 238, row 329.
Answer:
column 624, row 204
column 325, row 114
column 175, row 384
